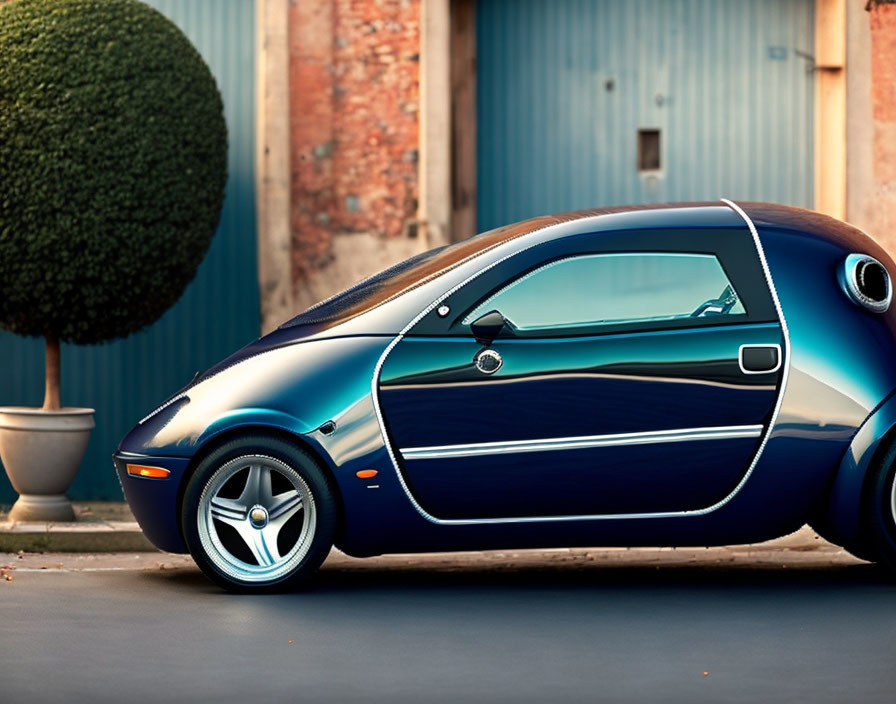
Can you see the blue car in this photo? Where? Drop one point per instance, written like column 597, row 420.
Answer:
column 684, row 375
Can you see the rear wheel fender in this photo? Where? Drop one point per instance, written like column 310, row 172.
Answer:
column 839, row 517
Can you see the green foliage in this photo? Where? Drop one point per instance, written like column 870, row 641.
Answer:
column 113, row 151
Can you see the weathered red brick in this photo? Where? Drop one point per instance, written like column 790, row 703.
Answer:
column 354, row 83
column 883, row 91
column 883, row 62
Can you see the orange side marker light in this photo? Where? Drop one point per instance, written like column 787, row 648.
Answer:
column 142, row 470
column 366, row 474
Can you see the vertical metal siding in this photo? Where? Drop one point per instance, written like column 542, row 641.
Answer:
column 736, row 114
column 218, row 312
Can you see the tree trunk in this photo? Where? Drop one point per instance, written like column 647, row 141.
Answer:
column 51, row 389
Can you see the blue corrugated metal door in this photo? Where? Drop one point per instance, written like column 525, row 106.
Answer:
column 565, row 86
column 219, row 311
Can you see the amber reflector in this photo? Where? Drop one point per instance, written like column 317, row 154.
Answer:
column 367, row 474
column 141, row 470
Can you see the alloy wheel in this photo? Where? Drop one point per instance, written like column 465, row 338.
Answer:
column 256, row 518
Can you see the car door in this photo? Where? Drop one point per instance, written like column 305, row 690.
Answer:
column 634, row 373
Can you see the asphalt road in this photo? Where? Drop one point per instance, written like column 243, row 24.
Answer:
column 788, row 624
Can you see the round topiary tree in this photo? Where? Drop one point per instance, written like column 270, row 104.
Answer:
column 113, row 152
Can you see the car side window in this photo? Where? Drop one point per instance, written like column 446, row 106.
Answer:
column 614, row 288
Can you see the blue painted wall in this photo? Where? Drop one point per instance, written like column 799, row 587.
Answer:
column 563, row 87
column 218, row 313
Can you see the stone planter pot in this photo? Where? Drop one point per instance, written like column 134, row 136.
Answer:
column 41, row 451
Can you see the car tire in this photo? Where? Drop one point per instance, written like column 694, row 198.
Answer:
column 879, row 525
column 259, row 514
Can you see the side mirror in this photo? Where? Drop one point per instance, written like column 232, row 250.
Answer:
column 486, row 328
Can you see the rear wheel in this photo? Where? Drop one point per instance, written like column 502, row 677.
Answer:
column 880, row 512
column 259, row 514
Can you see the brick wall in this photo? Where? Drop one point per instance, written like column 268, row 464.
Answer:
column 883, row 92
column 354, row 78
column 879, row 216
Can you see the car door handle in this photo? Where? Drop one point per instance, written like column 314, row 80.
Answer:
column 759, row 359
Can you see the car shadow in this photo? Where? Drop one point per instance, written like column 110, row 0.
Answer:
column 604, row 576
column 360, row 577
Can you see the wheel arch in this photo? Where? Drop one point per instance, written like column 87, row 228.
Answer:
column 273, row 432
column 838, row 516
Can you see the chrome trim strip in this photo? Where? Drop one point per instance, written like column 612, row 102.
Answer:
column 169, row 402
column 478, row 449
column 596, row 517
column 740, row 359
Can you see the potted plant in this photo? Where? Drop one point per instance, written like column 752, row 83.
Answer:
column 113, row 162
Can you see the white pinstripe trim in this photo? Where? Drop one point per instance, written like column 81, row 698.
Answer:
column 582, row 442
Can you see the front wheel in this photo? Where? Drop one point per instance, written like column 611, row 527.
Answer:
column 258, row 514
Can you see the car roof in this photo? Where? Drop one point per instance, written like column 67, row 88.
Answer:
column 789, row 219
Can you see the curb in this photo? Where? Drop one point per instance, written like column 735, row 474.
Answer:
column 99, row 526
column 106, row 536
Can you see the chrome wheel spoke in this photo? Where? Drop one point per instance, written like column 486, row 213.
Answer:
column 258, row 486
column 229, row 511
column 262, row 543
column 284, row 506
